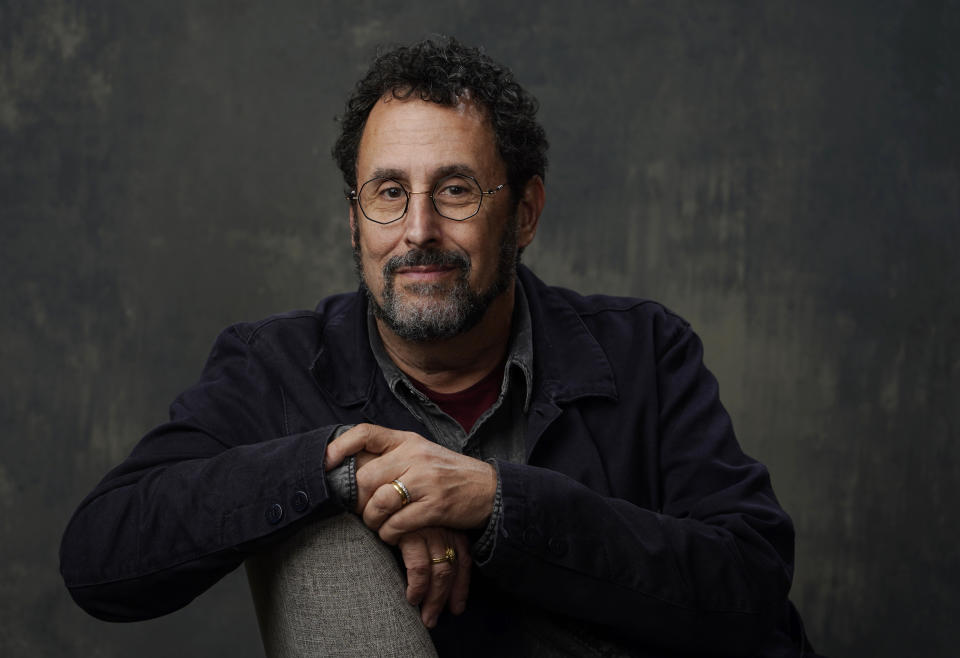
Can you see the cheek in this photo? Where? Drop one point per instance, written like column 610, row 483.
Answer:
column 374, row 253
column 374, row 246
column 372, row 271
column 486, row 253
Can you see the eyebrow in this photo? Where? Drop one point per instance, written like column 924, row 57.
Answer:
column 440, row 172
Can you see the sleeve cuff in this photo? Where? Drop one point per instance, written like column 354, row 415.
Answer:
column 342, row 480
column 483, row 547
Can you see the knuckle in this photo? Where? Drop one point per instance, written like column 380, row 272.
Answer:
column 388, row 535
column 412, row 437
column 418, row 572
column 362, row 477
column 416, row 562
column 375, row 509
column 443, row 573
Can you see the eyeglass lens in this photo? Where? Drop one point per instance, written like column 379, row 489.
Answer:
column 456, row 197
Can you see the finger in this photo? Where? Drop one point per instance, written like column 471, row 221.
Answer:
column 441, row 578
column 384, row 502
column 416, row 560
column 411, row 518
column 413, row 451
column 363, row 457
column 343, row 445
column 461, row 579
column 456, row 497
column 372, row 438
column 378, row 471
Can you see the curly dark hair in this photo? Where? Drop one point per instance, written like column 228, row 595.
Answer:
column 442, row 71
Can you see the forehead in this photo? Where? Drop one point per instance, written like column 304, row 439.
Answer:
column 415, row 139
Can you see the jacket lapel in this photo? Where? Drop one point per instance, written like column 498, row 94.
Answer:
column 568, row 362
column 347, row 372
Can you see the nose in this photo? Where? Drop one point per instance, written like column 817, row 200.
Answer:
column 422, row 224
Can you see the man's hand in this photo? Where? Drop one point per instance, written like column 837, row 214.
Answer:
column 429, row 585
column 446, row 489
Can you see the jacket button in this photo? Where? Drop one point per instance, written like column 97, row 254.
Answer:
column 300, row 501
column 557, row 546
column 274, row 513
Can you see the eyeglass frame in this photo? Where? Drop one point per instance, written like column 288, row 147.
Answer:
column 354, row 195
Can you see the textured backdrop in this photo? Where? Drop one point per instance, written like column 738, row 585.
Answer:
column 785, row 175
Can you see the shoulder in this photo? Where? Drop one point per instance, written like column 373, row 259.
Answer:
column 289, row 323
column 612, row 307
column 293, row 335
column 617, row 316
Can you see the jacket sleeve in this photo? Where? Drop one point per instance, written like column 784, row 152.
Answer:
column 706, row 570
column 196, row 495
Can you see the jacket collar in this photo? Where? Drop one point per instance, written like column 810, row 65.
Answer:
column 344, row 367
column 568, row 362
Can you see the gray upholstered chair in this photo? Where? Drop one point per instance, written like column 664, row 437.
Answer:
column 334, row 589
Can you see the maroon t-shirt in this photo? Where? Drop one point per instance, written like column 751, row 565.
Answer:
column 468, row 405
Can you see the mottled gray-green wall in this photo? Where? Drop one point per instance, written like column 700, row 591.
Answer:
column 786, row 175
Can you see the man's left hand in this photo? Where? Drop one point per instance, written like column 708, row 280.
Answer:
column 435, row 581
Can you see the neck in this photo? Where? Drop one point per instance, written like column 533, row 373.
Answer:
column 451, row 365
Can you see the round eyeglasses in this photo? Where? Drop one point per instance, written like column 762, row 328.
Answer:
column 457, row 197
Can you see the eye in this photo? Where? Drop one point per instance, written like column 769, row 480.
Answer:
column 390, row 191
column 455, row 187
column 453, row 190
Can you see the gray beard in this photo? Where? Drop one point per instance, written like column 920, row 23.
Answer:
column 447, row 312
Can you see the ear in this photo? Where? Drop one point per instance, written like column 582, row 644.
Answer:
column 528, row 210
column 353, row 225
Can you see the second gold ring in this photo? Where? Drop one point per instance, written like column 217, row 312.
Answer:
column 449, row 555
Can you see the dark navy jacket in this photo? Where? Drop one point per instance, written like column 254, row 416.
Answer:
column 636, row 514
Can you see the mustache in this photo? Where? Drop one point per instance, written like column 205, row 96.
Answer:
column 417, row 257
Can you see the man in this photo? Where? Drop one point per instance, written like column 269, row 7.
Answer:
column 557, row 471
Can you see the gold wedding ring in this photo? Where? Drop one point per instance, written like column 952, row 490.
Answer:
column 402, row 490
column 449, row 555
